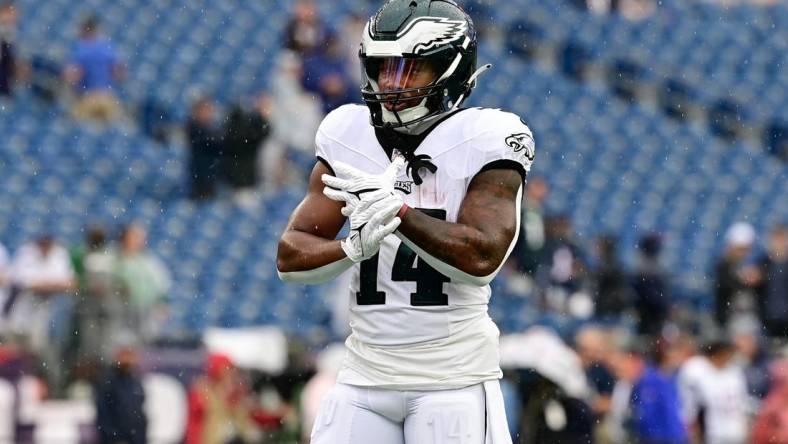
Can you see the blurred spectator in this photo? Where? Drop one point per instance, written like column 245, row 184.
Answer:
column 528, row 250
column 733, row 281
column 246, row 130
column 678, row 347
column 651, row 286
column 594, row 348
column 714, row 396
column 8, row 61
column 645, row 403
column 42, row 270
column 305, row 32
column 205, row 143
column 99, row 308
column 562, row 270
column 5, row 286
column 771, row 424
column 144, row 281
column 95, row 70
column 752, row 355
column 562, row 258
column 773, row 284
column 550, row 415
column 219, row 408
column 120, row 398
column 325, row 74
column 293, row 126
column 352, row 30
column 630, row 9
column 612, row 293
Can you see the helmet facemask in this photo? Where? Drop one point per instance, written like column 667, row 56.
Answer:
column 402, row 42
column 403, row 91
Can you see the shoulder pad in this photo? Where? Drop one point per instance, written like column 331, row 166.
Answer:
column 503, row 137
column 337, row 126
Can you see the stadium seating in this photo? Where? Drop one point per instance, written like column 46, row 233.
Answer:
column 615, row 167
column 729, row 61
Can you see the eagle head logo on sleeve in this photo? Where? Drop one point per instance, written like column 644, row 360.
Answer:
column 522, row 142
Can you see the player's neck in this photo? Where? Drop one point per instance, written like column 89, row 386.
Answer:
column 420, row 127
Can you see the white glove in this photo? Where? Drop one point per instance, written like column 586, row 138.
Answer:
column 372, row 220
column 358, row 183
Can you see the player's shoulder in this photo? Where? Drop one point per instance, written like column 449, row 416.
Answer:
column 489, row 120
column 344, row 120
column 491, row 128
column 496, row 118
column 340, row 131
column 495, row 137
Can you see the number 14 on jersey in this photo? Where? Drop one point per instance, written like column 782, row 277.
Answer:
column 408, row 267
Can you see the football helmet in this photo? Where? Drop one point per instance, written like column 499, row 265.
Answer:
column 418, row 61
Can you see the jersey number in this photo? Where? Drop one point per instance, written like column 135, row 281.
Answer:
column 407, row 268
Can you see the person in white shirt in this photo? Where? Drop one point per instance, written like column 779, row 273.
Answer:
column 42, row 271
column 713, row 392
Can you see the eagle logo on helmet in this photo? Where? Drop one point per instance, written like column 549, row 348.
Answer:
column 431, row 32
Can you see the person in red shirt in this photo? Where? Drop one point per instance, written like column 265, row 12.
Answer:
column 771, row 424
column 219, row 408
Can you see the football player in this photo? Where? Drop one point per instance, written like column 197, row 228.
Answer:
column 432, row 192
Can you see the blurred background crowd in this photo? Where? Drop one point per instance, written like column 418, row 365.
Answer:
column 151, row 152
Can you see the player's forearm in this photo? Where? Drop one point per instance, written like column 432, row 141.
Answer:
column 309, row 259
column 460, row 246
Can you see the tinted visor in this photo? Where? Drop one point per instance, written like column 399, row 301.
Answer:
column 400, row 73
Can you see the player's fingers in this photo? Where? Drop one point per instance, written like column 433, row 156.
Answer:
column 370, row 200
column 388, row 207
column 373, row 197
column 377, row 213
column 393, row 170
column 337, row 195
column 347, row 210
column 335, row 182
column 387, row 229
column 383, row 213
column 346, row 170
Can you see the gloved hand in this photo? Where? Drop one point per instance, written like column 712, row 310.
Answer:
column 371, row 221
column 357, row 183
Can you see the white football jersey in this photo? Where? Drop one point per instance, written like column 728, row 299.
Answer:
column 412, row 328
column 722, row 395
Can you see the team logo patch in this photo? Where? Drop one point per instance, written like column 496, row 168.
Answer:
column 406, row 186
column 522, row 142
column 433, row 31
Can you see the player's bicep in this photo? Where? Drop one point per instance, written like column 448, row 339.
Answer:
column 491, row 204
column 317, row 214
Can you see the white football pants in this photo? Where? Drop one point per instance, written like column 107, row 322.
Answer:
column 361, row 415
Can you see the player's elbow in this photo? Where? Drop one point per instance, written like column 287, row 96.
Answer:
column 483, row 268
column 286, row 271
column 285, row 256
column 489, row 257
column 477, row 275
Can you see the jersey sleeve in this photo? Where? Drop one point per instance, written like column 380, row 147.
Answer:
column 323, row 149
column 335, row 127
column 505, row 141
